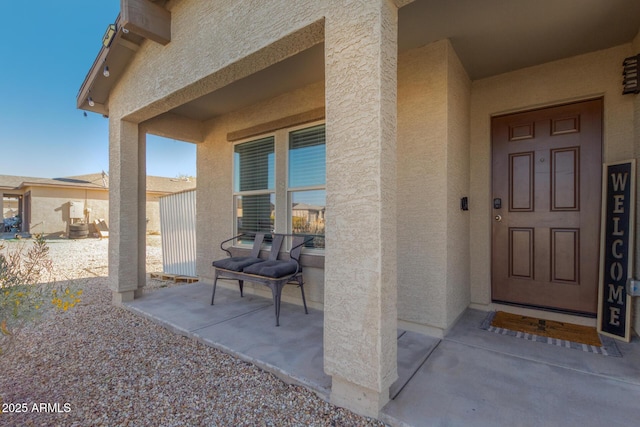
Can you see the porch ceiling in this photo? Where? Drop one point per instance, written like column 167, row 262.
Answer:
column 490, row 36
column 297, row 71
column 496, row 36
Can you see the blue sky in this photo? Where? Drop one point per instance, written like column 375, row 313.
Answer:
column 46, row 50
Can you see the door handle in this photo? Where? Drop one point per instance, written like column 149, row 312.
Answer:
column 498, row 218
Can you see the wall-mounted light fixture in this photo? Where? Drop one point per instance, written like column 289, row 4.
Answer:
column 109, row 35
column 105, row 71
column 90, row 101
column 630, row 75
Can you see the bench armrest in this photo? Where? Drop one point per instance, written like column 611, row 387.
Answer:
column 296, row 251
column 231, row 240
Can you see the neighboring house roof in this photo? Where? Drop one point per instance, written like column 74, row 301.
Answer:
column 170, row 185
column 155, row 184
column 11, row 182
column 306, row 207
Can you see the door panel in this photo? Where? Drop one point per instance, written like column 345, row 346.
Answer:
column 565, row 255
column 521, row 182
column 565, row 186
column 547, row 171
column 521, row 253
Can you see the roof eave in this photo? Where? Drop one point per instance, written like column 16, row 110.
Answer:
column 139, row 19
column 57, row 185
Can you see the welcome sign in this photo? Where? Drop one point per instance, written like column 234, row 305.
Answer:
column 616, row 249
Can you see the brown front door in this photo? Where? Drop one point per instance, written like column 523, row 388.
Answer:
column 546, row 187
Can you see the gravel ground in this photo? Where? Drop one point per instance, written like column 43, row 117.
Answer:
column 100, row 365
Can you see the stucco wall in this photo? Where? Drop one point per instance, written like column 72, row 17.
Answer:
column 153, row 214
column 592, row 75
column 433, row 159
column 422, row 186
column 50, row 208
column 458, row 273
column 360, row 335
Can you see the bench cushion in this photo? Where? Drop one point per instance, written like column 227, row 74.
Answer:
column 273, row 269
column 237, row 263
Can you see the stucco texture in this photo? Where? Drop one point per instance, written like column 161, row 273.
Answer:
column 360, row 260
column 50, row 208
column 433, row 158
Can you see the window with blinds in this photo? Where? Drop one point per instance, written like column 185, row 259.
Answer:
column 254, row 184
column 307, row 183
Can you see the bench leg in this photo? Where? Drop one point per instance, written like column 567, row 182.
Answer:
column 275, row 290
column 241, row 284
column 304, row 301
column 215, row 282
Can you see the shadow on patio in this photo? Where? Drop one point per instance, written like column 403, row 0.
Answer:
column 472, row 377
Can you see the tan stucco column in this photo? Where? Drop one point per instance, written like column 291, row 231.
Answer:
column 127, row 202
column 360, row 313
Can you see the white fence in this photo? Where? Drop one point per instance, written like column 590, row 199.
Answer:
column 178, row 229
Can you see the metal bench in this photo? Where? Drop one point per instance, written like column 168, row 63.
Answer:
column 272, row 272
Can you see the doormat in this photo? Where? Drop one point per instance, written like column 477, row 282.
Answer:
column 551, row 332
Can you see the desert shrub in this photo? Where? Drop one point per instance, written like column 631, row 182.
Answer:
column 28, row 289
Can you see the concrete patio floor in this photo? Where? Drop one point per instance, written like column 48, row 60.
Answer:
column 472, row 377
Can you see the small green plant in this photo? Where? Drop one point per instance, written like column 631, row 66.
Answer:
column 27, row 288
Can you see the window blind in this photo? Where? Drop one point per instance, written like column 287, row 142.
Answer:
column 307, row 152
column 254, row 165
